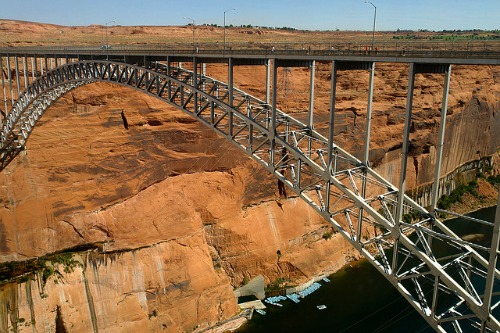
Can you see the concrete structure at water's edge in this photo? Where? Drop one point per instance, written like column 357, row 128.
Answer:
column 364, row 208
column 253, row 288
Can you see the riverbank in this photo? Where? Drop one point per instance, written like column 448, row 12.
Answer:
column 228, row 326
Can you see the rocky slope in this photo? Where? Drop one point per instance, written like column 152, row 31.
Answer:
column 175, row 217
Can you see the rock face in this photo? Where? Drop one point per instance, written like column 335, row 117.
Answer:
column 180, row 216
column 134, row 291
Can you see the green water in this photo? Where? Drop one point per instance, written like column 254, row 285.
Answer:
column 358, row 299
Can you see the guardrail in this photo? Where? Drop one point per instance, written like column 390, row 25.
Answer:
column 121, row 50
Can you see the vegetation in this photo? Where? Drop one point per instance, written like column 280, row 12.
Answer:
column 328, row 235
column 494, row 180
column 277, row 285
column 449, row 36
column 22, row 271
column 413, row 215
column 446, row 201
column 153, row 314
column 473, row 34
column 248, row 26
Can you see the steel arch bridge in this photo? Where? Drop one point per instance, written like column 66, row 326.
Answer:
column 454, row 292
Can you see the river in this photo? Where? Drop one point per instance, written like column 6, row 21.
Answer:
column 358, row 299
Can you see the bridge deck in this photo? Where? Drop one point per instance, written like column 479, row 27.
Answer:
column 462, row 57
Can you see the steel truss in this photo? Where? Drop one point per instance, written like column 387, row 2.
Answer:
column 405, row 242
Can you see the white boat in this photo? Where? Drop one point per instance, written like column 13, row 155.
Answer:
column 261, row 312
column 321, row 307
column 293, row 297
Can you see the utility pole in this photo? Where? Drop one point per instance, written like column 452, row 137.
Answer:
column 374, row 20
column 225, row 27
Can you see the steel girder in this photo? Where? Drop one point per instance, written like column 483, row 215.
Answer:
column 441, row 275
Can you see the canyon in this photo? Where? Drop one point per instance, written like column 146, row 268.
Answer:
column 152, row 225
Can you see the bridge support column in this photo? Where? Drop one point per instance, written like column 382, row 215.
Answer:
column 33, row 68
column 9, row 77
column 366, row 156
column 25, row 72
column 169, row 84
column 230, row 90
column 4, row 96
column 195, row 84
column 331, row 132
column 18, row 78
column 310, row 121
column 268, row 81
column 203, row 74
column 404, row 163
column 331, row 128
column 273, row 112
column 439, row 153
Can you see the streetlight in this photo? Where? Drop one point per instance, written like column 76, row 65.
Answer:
column 225, row 27
column 374, row 19
column 187, row 18
column 107, row 44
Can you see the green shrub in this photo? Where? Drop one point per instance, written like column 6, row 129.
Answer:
column 446, row 201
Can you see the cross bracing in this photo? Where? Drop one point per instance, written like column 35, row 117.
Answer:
column 454, row 290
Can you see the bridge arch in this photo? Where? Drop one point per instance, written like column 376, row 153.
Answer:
column 328, row 178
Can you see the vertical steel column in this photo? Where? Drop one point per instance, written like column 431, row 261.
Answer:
column 268, row 81
column 169, row 85
column 9, row 73
column 331, row 128
column 369, row 116
column 490, row 279
column 18, row 78
column 25, row 72
column 273, row 110
column 404, row 162
column 366, row 157
column 195, row 84
column 230, row 90
column 310, row 121
column 41, row 66
column 439, row 153
column 33, row 68
column 203, row 74
column 3, row 90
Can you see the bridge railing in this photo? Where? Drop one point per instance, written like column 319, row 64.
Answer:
column 455, row 49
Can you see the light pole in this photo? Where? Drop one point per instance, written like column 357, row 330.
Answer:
column 225, row 27
column 374, row 20
column 187, row 18
column 107, row 44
